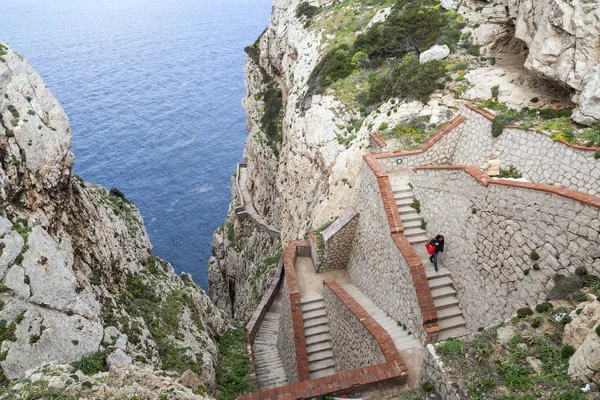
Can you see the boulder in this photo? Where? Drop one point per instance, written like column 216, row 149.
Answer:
column 588, row 111
column 451, row 5
column 190, row 380
column 118, row 358
column 584, row 365
column 436, row 52
column 582, row 325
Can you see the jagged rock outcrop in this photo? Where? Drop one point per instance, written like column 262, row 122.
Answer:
column 77, row 275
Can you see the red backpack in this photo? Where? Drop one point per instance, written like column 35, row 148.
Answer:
column 430, row 248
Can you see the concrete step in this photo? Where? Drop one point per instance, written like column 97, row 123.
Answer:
column 314, row 313
column 414, row 232
column 318, row 347
column 413, row 223
column 446, row 291
column 322, row 373
column 313, row 305
column 445, row 302
column 320, row 320
column 401, row 187
column 431, row 274
column 406, row 210
column 411, row 217
column 450, row 323
column 456, row 332
column 320, row 355
column 316, row 330
column 448, row 312
column 405, row 194
column 439, row 282
column 418, row 239
column 407, row 201
column 320, row 365
column 320, row 338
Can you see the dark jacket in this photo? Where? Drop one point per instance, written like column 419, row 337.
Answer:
column 437, row 243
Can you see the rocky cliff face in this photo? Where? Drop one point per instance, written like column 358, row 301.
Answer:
column 78, row 278
column 301, row 172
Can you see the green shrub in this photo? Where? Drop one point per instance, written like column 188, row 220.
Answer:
column 502, row 119
column 592, row 136
column 3, row 288
column 537, row 321
column 534, row 256
column 233, row 368
column 495, row 92
column 91, row 365
column 567, row 351
column 565, row 287
column 34, row 338
column 543, row 307
column 535, row 100
column 578, row 297
column 416, row 204
column 117, row 193
column 598, row 330
column 597, row 154
column 307, row 10
column 524, row 312
column 9, row 133
column 451, row 348
column 511, row 172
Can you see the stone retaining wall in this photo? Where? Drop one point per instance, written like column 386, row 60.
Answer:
column 381, row 264
column 285, row 339
column 493, row 226
column 353, row 344
column 337, row 239
column 376, row 142
column 433, row 372
column 539, row 158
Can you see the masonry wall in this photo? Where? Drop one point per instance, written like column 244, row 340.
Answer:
column 375, row 264
column 353, row 345
column 433, row 372
column 337, row 240
column 539, row 158
column 438, row 150
column 491, row 232
column 285, row 339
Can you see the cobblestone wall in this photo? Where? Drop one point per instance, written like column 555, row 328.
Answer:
column 337, row 239
column 375, row 264
column 433, row 371
column 491, row 233
column 285, row 339
column 353, row 345
column 539, row 158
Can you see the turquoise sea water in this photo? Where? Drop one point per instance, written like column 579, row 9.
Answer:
column 153, row 90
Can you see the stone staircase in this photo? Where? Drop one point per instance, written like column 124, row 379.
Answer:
column 318, row 339
column 401, row 337
column 450, row 317
column 267, row 361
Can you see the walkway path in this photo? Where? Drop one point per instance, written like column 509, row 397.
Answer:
column 450, row 317
column 246, row 206
column 267, row 362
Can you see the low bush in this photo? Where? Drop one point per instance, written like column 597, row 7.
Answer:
column 504, row 118
column 537, row 321
column 544, row 307
column 233, row 369
column 567, row 351
column 566, row 287
column 511, row 172
column 91, row 365
column 534, row 256
column 416, row 204
column 451, row 348
column 305, row 9
column 598, row 330
column 524, row 312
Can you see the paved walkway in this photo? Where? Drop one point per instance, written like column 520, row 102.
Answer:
column 311, row 283
column 248, row 206
column 267, row 362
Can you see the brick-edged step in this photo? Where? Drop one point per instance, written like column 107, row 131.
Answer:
column 418, row 239
column 317, row 347
column 445, row 302
column 318, row 320
column 440, row 282
column 404, row 202
column 413, row 223
column 453, row 322
column 320, row 355
column 446, row 291
column 455, row 332
column 314, row 313
column 414, row 232
column 405, row 210
column 432, row 274
column 403, row 195
column 316, row 330
column 320, row 338
column 448, row 312
column 320, row 365
column 313, row 305
column 411, row 217
column 322, row 373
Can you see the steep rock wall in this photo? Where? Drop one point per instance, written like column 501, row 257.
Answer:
column 76, row 268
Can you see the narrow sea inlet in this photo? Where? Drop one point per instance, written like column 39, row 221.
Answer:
column 153, row 91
